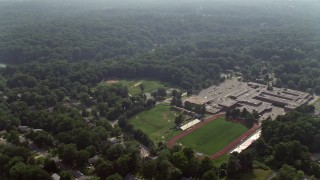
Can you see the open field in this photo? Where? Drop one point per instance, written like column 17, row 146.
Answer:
column 222, row 159
column 157, row 123
column 214, row 136
column 259, row 174
column 133, row 85
column 316, row 103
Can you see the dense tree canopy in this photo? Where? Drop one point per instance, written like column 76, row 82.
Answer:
column 57, row 54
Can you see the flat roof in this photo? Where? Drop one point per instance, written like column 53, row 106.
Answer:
column 190, row 124
column 211, row 109
column 247, row 142
column 253, row 96
column 278, row 93
column 251, row 101
column 273, row 98
column 196, row 100
column 264, row 106
column 240, row 92
column 228, row 103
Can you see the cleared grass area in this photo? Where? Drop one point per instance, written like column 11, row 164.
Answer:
column 223, row 159
column 258, row 174
column 317, row 104
column 214, row 136
column 157, row 123
column 133, row 85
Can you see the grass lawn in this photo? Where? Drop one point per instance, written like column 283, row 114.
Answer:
column 223, row 159
column 157, row 122
column 317, row 104
column 133, row 85
column 214, row 136
column 259, row 174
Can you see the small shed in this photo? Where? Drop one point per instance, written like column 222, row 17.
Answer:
column 23, row 129
column 93, row 160
column 55, row 176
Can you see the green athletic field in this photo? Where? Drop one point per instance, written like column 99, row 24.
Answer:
column 214, row 136
column 256, row 173
column 157, row 123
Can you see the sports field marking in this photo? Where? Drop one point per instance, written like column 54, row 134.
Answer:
column 173, row 140
column 157, row 123
column 236, row 142
column 224, row 149
column 214, row 136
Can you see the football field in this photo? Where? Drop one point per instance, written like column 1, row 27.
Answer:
column 214, row 136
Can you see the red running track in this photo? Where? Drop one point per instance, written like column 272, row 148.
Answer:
column 236, row 142
column 226, row 149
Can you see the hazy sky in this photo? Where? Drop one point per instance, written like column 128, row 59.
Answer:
column 69, row 6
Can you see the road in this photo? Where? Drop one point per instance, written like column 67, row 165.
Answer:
column 144, row 151
column 113, row 123
column 169, row 99
column 273, row 175
column 164, row 101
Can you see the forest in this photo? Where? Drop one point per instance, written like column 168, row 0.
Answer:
column 187, row 46
column 56, row 54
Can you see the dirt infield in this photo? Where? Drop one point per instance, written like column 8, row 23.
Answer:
column 112, row 81
column 137, row 84
column 226, row 149
column 234, row 143
column 173, row 140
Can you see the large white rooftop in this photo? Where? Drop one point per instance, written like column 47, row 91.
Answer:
column 190, row 124
column 246, row 143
